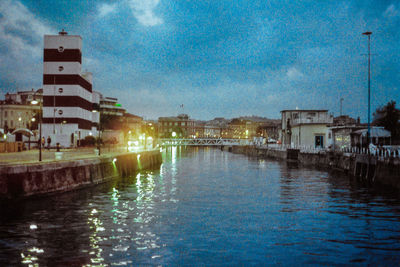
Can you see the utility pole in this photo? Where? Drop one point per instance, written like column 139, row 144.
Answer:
column 341, row 103
column 369, row 85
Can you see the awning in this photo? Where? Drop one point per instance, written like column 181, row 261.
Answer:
column 23, row 131
column 375, row 132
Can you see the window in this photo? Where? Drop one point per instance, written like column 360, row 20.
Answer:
column 183, row 124
column 176, row 124
column 295, row 115
column 12, row 123
column 5, row 114
column 60, row 90
column 311, row 114
column 61, row 49
column 12, row 113
column 60, row 68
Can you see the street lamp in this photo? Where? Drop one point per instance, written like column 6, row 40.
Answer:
column 35, row 102
column 99, row 132
column 369, row 85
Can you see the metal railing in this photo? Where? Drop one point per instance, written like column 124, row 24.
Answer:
column 380, row 152
column 202, row 142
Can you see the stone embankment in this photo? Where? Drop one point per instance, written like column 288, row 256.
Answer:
column 23, row 180
column 371, row 168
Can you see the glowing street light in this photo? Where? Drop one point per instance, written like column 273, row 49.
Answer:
column 35, row 102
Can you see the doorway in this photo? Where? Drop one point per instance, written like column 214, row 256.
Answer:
column 319, row 141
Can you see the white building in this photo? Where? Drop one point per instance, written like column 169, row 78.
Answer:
column 67, row 93
column 306, row 128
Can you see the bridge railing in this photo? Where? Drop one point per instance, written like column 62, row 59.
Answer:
column 202, row 142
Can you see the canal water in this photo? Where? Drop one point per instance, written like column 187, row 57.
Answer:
column 208, row 207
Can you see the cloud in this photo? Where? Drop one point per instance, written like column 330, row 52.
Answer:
column 20, row 30
column 294, row 74
column 144, row 12
column 391, row 11
column 21, row 45
column 105, row 9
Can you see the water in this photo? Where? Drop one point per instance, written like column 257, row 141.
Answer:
column 207, row 207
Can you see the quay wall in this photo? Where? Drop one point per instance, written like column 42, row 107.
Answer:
column 60, row 176
column 374, row 169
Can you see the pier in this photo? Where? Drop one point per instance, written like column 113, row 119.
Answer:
column 21, row 175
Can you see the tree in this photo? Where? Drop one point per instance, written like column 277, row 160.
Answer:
column 388, row 116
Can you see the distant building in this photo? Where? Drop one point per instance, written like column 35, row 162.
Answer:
column 182, row 125
column 341, row 129
column 133, row 123
column 242, row 128
column 23, row 97
column 16, row 111
column 378, row 136
column 110, row 106
column 67, row 92
column 270, row 130
column 306, row 128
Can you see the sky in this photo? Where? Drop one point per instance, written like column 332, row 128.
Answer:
column 217, row 58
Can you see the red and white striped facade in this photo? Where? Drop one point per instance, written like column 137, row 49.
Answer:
column 67, row 93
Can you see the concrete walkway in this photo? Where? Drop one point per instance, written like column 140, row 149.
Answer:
column 32, row 156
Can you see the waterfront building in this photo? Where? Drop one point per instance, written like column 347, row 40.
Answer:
column 342, row 128
column 270, row 130
column 216, row 128
column 307, row 128
column 199, row 129
column 182, row 125
column 378, row 136
column 67, row 92
column 17, row 112
column 110, row 106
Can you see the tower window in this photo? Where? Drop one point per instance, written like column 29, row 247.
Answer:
column 60, row 90
column 61, row 68
column 61, row 49
column 60, row 112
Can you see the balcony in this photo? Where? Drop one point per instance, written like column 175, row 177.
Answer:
column 312, row 121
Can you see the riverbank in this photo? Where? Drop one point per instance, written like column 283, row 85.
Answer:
column 20, row 179
column 371, row 168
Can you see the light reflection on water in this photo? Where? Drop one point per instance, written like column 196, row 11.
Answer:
column 208, row 207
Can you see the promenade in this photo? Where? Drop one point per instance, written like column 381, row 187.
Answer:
column 32, row 156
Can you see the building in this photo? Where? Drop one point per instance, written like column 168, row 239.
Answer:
column 306, row 128
column 23, row 97
column 182, row 126
column 378, row 136
column 270, row 130
column 67, row 92
column 110, row 106
column 16, row 111
column 342, row 129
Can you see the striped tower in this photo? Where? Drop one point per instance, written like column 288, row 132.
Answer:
column 67, row 94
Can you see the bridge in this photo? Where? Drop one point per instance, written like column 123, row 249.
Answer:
column 203, row 142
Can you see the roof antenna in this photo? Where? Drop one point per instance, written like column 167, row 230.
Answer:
column 62, row 32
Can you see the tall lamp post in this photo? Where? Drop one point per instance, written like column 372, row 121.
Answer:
column 369, row 85
column 99, row 131
column 35, row 102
